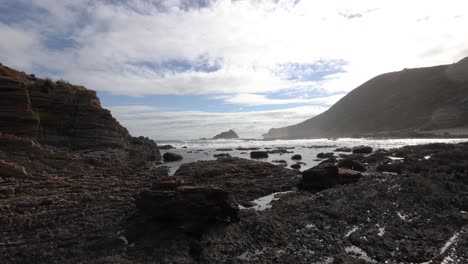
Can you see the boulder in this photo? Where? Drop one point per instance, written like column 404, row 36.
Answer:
column 258, row 154
column 296, row 166
column 327, row 175
column 230, row 134
column 351, row 164
column 346, row 176
column 319, row 177
column 322, row 155
column 166, row 147
column 169, row 156
column 296, row 157
column 194, row 207
column 362, row 150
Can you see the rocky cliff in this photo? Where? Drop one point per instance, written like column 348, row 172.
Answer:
column 63, row 115
column 397, row 103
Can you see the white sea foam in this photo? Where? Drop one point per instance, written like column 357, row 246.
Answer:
column 309, row 148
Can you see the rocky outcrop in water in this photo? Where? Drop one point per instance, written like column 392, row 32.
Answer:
column 230, row 134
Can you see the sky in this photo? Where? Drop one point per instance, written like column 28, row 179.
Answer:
column 186, row 69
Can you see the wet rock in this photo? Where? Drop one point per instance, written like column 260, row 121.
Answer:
column 258, row 154
column 296, row 166
column 279, row 161
column 169, row 156
column 296, row 157
column 323, row 155
column 224, row 149
column 351, row 164
column 362, row 150
column 195, row 207
column 166, row 147
column 245, row 179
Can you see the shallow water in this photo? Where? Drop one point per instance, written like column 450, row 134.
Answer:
column 197, row 150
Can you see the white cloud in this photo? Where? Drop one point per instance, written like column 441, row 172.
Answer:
column 251, row 37
column 257, row 99
column 198, row 124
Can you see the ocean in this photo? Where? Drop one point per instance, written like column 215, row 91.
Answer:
column 198, row 150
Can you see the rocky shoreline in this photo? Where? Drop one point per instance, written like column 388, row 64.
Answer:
column 76, row 187
column 66, row 206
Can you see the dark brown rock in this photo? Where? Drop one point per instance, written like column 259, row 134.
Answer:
column 296, row 157
column 322, row 155
column 58, row 114
column 258, row 154
column 245, row 179
column 362, row 150
column 195, row 207
column 351, row 164
column 319, row 177
column 169, row 156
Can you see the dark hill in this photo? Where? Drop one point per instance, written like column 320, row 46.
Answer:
column 397, row 103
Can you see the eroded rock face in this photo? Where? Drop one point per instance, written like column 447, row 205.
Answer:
column 58, row 114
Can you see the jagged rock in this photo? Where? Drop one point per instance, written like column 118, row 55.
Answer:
column 362, row 150
column 230, row 134
column 322, row 155
column 169, row 156
column 195, row 207
column 296, row 157
column 166, row 147
column 351, row 164
column 258, row 154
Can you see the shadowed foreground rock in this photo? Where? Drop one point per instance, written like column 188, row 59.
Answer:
column 169, row 156
column 245, row 179
column 195, row 207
